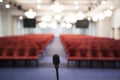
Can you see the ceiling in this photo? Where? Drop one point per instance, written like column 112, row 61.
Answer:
column 70, row 6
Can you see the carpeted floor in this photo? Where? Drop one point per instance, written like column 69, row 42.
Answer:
column 46, row 70
column 64, row 74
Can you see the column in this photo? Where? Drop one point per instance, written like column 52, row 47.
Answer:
column 116, row 33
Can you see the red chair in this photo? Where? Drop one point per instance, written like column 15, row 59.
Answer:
column 72, row 54
column 10, row 53
column 83, row 54
column 21, row 53
column 116, row 53
column 1, row 51
column 33, row 54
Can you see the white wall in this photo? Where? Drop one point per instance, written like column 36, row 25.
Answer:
column 116, row 19
column 104, row 27
column 116, row 23
column 60, row 30
column 5, row 23
column 11, row 25
column 1, row 33
column 19, row 29
column 91, row 29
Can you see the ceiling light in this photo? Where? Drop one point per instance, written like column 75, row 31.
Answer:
column 7, row 5
column 30, row 14
column 103, row 2
column 56, row 7
column 75, row 2
column 57, row 17
column 53, row 25
column 111, row 7
column 108, row 13
column 80, row 16
column 43, row 25
column 68, row 25
column 89, row 18
column 76, row 7
column 63, row 24
column 71, row 18
column 101, row 16
column 21, row 17
column 1, row 0
column 38, row 6
column 94, row 18
column 46, row 18
column 38, row 1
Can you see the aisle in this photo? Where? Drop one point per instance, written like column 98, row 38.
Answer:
column 55, row 47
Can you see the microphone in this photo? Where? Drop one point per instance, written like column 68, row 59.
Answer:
column 56, row 62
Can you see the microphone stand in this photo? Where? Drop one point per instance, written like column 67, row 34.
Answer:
column 57, row 76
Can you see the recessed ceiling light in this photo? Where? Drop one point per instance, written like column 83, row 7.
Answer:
column 30, row 13
column 89, row 18
column 38, row 1
column 43, row 25
column 57, row 17
column 38, row 6
column 7, row 5
column 104, row 2
column 76, row 7
column 20, row 17
column 75, row 2
column 1, row 0
column 108, row 13
column 46, row 18
column 101, row 16
column 57, row 7
column 111, row 7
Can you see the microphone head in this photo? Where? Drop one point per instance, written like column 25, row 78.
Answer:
column 56, row 60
